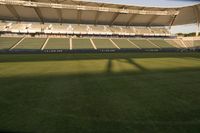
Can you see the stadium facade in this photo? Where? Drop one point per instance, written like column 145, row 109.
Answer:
column 101, row 26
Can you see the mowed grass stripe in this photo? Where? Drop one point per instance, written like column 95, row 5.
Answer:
column 8, row 42
column 124, row 44
column 81, row 44
column 103, row 44
column 57, row 43
column 31, row 43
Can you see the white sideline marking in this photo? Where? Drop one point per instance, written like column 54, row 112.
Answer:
column 45, row 43
column 93, row 44
column 152, row 43
column 17, row 43
column 70, row 43
column 133, row 44
column 114, row 44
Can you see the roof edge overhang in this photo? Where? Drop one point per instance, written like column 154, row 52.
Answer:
column 88, row 8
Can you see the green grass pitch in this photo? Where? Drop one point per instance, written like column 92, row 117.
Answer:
column 100, row 93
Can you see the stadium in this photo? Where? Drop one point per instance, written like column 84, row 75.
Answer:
column 84, row 66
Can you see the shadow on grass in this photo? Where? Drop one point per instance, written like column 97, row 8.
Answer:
column 149, row 101
column 120, row 102
column 132, row 62
column 91, row 56
column 126, row 60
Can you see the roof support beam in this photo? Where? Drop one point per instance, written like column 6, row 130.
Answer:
column 13, row 11
column 59, row 12
column 133, row 16
column 114, row 18
column 79, row 14
column 97, row 15
column 38, row 12
column 172, row 21
column 116, row 15
column 153, row 18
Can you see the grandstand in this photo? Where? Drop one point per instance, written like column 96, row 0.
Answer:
column 83, row 29
column 94, row 44
column 88, row 26
column 14, row 44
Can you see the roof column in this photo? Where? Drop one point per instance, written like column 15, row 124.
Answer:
column 197, row 15
column 197, row 30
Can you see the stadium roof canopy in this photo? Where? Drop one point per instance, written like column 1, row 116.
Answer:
column 82, row 12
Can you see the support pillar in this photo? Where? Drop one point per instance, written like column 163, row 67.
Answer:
column 197, row 29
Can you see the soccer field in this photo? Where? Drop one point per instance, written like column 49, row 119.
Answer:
column 100, row 93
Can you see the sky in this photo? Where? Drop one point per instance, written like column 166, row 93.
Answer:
column 161, row 3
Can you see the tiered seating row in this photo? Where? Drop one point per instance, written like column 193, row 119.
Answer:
column 2, row 26
column 104, row 44
column 55, row 28
column 57, row 43
column 7, row 42
column 88, row 43
column 81, row 44
column 31, row 44
column 143, row 43
column 197, row 43
column 161, row 43
column 124, row 43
